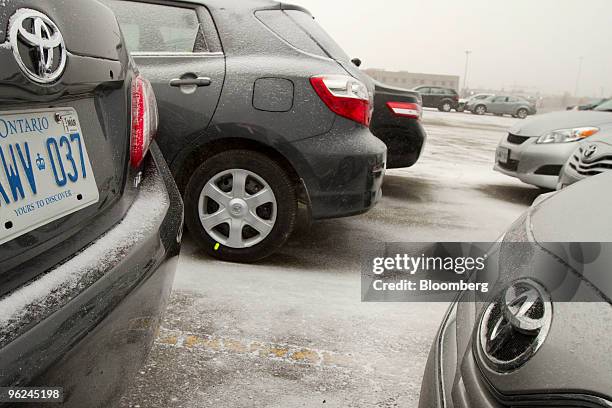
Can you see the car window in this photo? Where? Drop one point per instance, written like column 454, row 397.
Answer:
column 302, row 31
column 499, row 99
column 512, row 99
column 424, row 90
column 605, row 107
column 481, row 97
column 158, row 28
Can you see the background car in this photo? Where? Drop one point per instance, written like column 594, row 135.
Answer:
column 444, row 99
column 536, row 151
column 538, row 339
column 255, row 118
column 465, row 101
column 503, row 105
column 397, row 122
column 589, row 105
column 90, row 224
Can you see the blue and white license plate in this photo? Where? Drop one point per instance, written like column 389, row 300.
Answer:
column 45, row 173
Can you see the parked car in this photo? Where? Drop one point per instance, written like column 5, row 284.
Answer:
column 501, row 105
column 535, row 151
column 589, row 105
column 465, row 101
column 397, row 122
column 90, row 223
column 539, row 339
column 255, row 117
column 444, row 99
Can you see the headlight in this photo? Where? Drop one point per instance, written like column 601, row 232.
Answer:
column 567, row 135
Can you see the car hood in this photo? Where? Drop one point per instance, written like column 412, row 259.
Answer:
column 575, row 358
column 541, row 124
column 584, row 209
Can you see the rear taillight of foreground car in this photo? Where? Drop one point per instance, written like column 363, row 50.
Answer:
column 406, row 109
column 345, row 96
column 144, row 119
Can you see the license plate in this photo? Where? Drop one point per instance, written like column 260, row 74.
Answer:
column 45, row 173
column 502, row 155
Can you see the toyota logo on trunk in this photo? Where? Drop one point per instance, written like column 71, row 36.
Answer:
column 515, row 325
column 38, row 46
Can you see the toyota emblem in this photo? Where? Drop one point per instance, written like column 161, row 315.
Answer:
column 38, row 46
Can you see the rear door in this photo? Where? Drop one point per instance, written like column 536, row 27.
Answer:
column 176, row 46
column 497, row 105
column 512, row 105
column 426, row 96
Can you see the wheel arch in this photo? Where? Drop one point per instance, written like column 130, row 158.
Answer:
column 198, row 154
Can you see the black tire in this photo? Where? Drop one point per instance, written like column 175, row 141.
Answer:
column 445, row 106
column 522, row 113
column 274, row 175
column 480, row 110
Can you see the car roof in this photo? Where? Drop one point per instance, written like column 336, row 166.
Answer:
column 244, row 5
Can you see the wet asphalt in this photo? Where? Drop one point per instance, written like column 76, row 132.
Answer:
column 292, row 331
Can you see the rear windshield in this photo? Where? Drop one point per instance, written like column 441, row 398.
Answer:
column 302, row 31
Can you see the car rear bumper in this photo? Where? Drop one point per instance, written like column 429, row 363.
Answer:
column 88, row 324
column 536, row 164
column 343, row 170
column 405, row 141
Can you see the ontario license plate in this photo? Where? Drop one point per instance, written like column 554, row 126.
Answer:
column 503, row 155
column 45, row 173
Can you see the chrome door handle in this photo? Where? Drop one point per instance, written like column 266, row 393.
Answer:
column 200, row 81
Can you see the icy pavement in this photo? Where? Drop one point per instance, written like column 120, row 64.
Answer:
column 292, row 332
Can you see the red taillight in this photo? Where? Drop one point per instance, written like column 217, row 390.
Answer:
column 406, row 109
column 345, row 96
column 144, row 119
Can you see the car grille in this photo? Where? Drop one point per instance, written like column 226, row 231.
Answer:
column 591, row 168
column 512, row 165
column 549, row 170
column 517, row 140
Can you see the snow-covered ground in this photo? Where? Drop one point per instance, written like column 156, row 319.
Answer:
column 292, row 331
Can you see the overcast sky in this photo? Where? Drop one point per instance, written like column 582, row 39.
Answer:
column 534, row 44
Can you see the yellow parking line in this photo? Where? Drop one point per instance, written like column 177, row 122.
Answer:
column 292, row 354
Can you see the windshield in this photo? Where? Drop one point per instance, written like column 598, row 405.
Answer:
column 605, row 107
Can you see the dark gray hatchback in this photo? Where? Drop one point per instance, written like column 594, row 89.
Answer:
column 89, row 222
column 260, row 109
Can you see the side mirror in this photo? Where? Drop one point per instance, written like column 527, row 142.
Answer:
column 356, row 61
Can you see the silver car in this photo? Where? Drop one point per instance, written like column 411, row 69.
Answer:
column 501, row 105
column 463, row 102
column 536, row 151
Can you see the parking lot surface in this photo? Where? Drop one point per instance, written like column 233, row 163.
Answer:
column 292, row 331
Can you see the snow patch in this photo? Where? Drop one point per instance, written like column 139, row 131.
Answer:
column 40, row 298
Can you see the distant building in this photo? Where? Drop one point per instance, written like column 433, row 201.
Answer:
column 410, row 80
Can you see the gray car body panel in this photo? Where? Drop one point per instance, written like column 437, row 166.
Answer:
column 545, row 123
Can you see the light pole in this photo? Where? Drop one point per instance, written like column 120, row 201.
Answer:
column 578, row 76
column 465, row 75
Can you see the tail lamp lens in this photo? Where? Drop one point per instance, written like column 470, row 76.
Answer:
column 406, row 109
column 144, row 119
column 345, row 96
